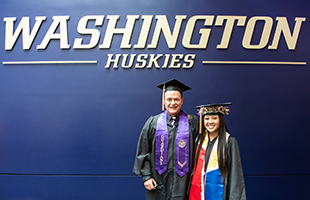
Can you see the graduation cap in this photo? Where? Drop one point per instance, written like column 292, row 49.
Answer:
column 172, row 85
column 221, row 108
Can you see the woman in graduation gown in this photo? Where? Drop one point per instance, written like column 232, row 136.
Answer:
column 217, row 170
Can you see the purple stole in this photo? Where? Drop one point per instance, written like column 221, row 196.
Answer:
column 181, row 147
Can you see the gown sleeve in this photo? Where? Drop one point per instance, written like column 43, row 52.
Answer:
column 235, row 184
column 142, row 166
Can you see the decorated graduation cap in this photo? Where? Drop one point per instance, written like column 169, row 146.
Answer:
column 172, row 85
column 215, row 108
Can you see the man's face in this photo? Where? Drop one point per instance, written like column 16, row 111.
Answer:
column 173, row 102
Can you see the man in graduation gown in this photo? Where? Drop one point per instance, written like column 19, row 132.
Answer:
column 165, row 155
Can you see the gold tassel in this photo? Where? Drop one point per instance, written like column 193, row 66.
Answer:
column 200, row 123
column 163, row 98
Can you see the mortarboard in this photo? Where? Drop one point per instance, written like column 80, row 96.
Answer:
column 214, row 108
column 172, row 85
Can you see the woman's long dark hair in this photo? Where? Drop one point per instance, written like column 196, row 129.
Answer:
column 223, row 157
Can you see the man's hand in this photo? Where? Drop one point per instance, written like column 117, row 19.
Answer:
column 150, row 184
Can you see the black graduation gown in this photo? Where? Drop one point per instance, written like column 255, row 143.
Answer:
column 169, row 185
column 235, row 187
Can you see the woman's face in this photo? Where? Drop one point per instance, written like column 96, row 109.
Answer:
column 212, row 123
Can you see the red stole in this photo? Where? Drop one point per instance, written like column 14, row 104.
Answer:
column 197, row 190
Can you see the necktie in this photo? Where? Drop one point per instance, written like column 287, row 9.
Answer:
column 173, row 121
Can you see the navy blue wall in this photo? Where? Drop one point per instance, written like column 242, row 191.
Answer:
column 69, row 131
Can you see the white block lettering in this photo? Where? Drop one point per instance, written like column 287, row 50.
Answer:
column 60, row 21
column 205, row 33
column 283, row 27
column 162, row 25
column 95, row 34
column 23, row 26
column 246, row 42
